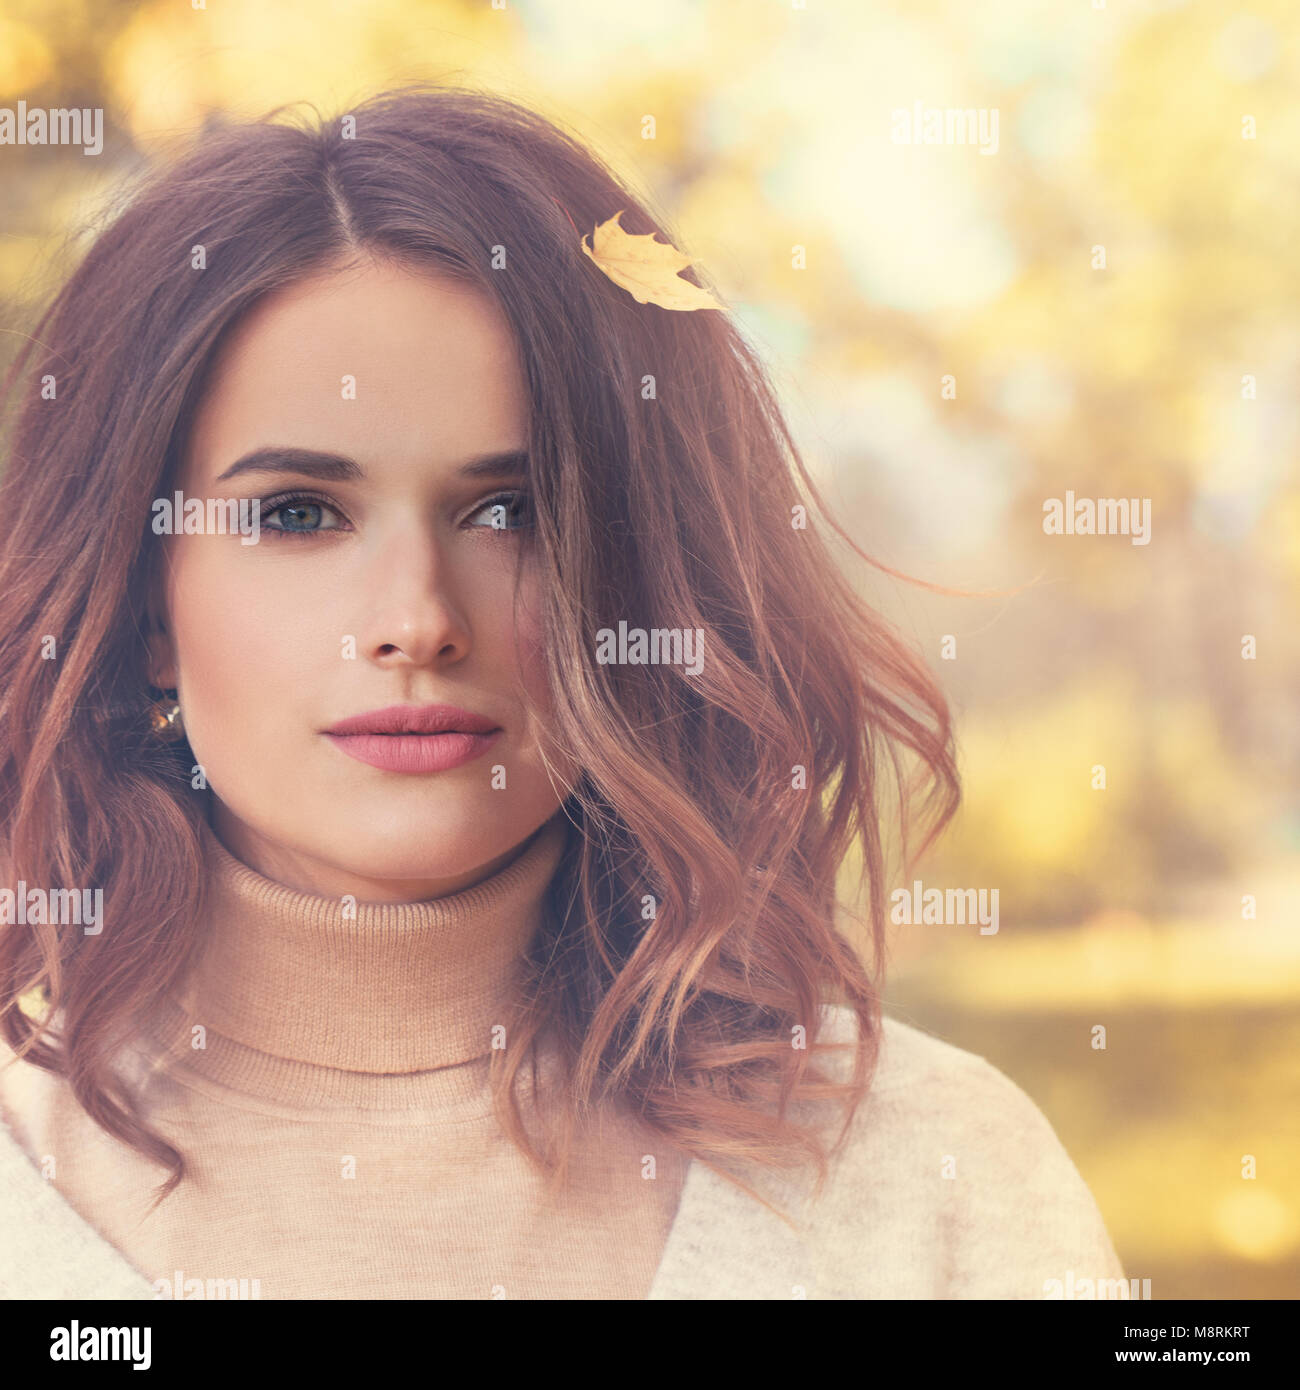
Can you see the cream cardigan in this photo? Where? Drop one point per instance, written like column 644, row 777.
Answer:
column 952, row 1184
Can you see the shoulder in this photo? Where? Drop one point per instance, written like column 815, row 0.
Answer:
column 966, row 1175
column 49, row 1250
column 907, row 1054
column 30, row 1098
column 20, row 1088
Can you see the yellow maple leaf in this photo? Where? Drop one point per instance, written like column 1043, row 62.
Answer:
column 646, row 268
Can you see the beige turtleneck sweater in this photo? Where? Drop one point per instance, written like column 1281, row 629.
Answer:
column 337, row 1122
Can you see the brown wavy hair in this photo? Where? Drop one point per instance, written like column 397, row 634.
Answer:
column 733, row 797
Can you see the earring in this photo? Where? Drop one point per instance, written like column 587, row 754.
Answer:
column 165, row 720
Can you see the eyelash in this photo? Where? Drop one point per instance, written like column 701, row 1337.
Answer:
column 293, row 499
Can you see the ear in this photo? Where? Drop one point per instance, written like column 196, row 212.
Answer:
column 161, row 660
column 162, row 666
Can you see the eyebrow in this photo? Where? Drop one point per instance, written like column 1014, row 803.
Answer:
column 337, row 468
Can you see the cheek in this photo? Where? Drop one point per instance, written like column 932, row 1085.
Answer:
column 239, row 661
column 531, row 673
column 529, row 642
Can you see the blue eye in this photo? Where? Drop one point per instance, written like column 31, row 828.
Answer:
column 303, row 515
column 507, row 511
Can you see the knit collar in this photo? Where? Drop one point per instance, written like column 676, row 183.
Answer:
column 300, row 1001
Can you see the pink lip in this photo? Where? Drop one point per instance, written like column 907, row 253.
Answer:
column 414, row 719
column 414, row 752
column 414, row 738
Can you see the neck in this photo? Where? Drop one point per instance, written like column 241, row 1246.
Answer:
column 315, row 877
column 289, row 984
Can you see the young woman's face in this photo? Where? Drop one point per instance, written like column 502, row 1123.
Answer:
column 386, row 584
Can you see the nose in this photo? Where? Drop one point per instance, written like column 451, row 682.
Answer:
column 412, row 614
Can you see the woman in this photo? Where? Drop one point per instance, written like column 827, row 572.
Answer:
column 419, row 635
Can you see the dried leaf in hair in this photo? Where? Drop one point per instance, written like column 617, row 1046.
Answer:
column 646, row 268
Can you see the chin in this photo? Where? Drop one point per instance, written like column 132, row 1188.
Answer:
column 413, row 851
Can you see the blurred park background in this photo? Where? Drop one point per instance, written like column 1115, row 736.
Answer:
column 1108, row 303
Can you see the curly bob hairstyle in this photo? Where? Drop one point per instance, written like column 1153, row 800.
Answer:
column 733, row 797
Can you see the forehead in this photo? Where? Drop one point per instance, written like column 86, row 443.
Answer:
column 388, row 364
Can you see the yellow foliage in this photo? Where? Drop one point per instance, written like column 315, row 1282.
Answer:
column 25, row 59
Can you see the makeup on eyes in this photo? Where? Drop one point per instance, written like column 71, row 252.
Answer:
column 284, row 501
